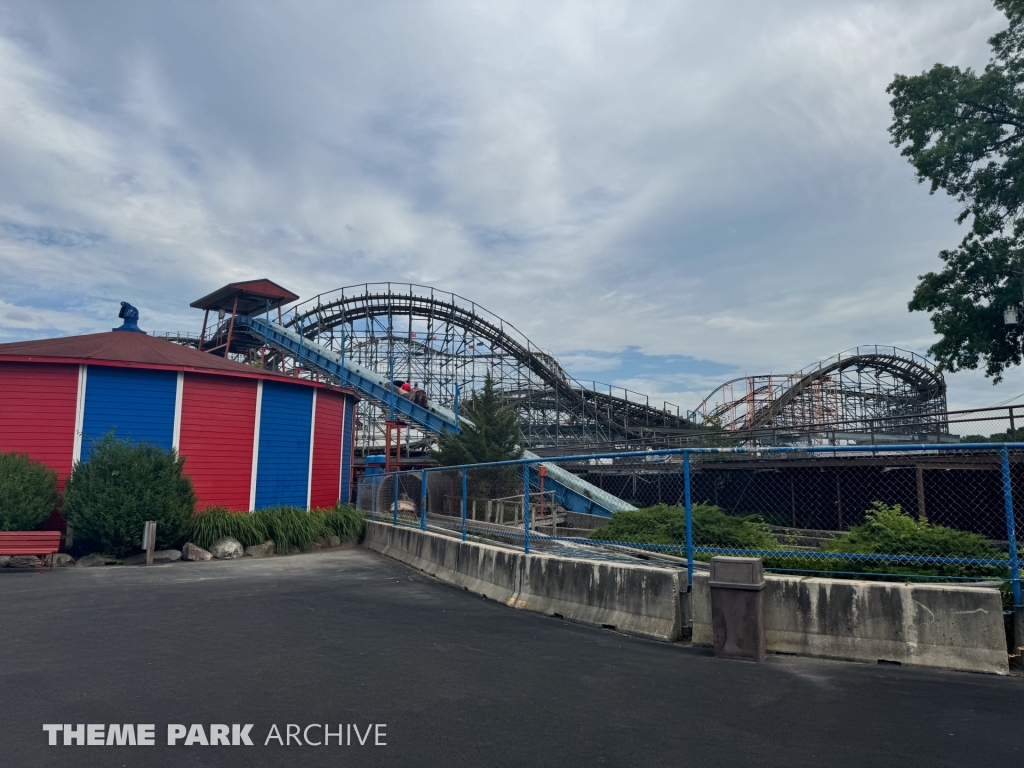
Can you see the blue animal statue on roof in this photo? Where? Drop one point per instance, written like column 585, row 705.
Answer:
column 130, row 315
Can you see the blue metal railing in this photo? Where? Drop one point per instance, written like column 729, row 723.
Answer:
column 689, row 550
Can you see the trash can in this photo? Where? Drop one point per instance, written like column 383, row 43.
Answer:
column 737, row 607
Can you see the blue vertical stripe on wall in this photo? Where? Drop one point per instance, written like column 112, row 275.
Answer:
column 286, row 418
column 346, row 450
column 136, row 404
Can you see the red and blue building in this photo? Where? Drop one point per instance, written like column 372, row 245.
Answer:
column 251, row 438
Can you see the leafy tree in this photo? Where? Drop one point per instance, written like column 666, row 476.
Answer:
column 492, row 437
column 964, row 133
column 28, row 492
column 123, row 484
column 1015, row 435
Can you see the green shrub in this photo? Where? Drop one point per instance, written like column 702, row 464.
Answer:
column 287, row 527
column 122, row 485
column 214, row 523
column 663, row 524
column 891, row 531
column 28, row 492
column 886, row 530
column 344, row 521
column 292, row 527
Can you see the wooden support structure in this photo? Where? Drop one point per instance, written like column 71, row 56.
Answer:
column 792, row 500
column 231, row 328
column 839, row 503
column 206, row 316
column 149, row 539
column 922, row 514
column 393, row 463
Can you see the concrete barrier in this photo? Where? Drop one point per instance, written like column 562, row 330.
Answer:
column 429, row 553
column 493, row 572
column 931, row 625
column 635, row 599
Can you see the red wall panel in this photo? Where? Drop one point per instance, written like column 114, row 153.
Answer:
column 330, row 412
column 37, row 412
column 218, row 416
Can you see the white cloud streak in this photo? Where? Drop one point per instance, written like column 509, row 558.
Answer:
column 706, row 180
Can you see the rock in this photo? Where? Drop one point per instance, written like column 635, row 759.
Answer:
column 227, row 548
column 334, row 541
column 270, row 547
column 294, row 551
column 90, row 561
column 61, row 560
column 139, row 559
column 317, row 545
column 256, row 550
column 4, row 560
column 194, row 553
column 24, row 561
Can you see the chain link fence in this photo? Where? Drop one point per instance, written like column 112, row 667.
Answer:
column 936, row 512
column 1002, row 425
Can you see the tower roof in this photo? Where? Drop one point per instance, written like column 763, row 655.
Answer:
column 252, row 297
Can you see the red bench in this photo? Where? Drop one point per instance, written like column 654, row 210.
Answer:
column 39, row 543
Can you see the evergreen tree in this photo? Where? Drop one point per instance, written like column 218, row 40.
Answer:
column 28, row 492
column 493, row 436
column 123, row 484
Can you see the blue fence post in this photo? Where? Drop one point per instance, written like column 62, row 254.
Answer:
column 463, row 504
column 1011, row 532
column 423, row 500
column 394, row 477
column 689, row 521
column 526, row 508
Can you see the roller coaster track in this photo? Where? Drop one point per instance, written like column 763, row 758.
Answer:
column 867, row 389
column 616, row 415
column 916, row 388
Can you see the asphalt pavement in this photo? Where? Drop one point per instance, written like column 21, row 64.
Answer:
column 445, row 678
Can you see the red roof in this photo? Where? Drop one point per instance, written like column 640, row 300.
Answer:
column 249, row 297
column 129, row 349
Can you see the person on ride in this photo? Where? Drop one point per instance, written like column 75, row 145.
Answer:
column 418, row 396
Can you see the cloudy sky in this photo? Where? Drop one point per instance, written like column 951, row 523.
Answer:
column 664, row 194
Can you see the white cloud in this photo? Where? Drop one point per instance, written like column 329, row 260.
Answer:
column 705, row 180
